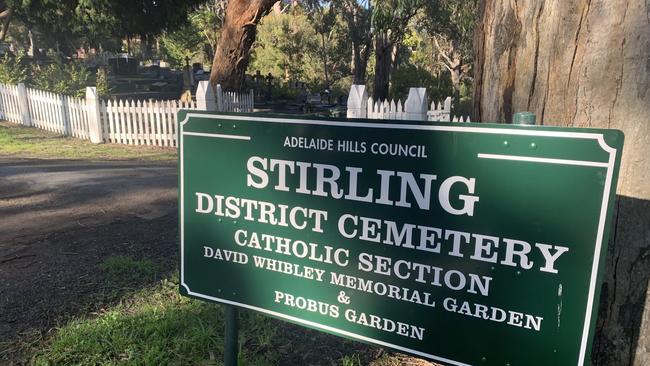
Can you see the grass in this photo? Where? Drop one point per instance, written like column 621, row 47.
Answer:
column 20, row 141
column 156, row 326
column 123, row 270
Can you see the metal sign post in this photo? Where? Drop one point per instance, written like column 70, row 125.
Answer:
column 230, row 344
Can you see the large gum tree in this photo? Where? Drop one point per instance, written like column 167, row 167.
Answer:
column 237, row 36
column 584, row 63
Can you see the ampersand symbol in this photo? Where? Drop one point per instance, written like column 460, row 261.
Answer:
column 343, row 299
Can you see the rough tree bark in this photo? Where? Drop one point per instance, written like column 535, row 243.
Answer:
column 237, row 36
column 584, row 63
column 383, row 57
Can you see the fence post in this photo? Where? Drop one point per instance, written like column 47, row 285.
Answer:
column 65, row 114
column 357, row 102
column 524, row 118
column 94, row 118
column 415, row 107
column 205, row 96
column 23, row 103
column 220, row 98
column 447, row 110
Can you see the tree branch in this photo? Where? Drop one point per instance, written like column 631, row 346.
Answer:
column 448, row 61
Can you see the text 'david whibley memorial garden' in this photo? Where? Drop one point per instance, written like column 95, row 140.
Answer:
column 467, row 244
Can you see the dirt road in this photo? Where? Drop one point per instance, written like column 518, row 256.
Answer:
column 60, row 219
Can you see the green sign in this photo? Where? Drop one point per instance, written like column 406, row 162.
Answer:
column 467, row 244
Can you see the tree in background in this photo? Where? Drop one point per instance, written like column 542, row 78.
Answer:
column 333, row 39
column 286, row 45
column 450, row 24
column 304, row 43
column 419, row 66
column 584, row 64
column 66, row 22
column 194, row 40
column 357, row 15
column 181, row 44
column 237, row 37
column 208, row 19
column 6, row 13
column 390, row 21
column 323, row 18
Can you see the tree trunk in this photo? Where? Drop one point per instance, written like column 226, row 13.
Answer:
column 383, row 57
column 5, row 17
column 359, row 67
column 237, row 37
column 327, row 81
column 360, row 54
column 584, row 63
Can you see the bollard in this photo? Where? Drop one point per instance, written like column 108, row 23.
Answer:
column 523, row 118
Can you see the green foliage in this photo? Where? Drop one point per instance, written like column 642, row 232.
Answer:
column 353, row 360
column 409, row 75
column 101, row 82
column 195, row 39
column 392, row 16
column 292, row 46
column 208, row 19
column 68, row 79
column 449, row 25
column 183, row 43
column 453, row 20
column 13, row 69
column 286, row 46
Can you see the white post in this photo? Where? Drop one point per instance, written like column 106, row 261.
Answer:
column 447, row 110
column 65, row 114
column 220, row 104
column 357, row 102
column 23, row 103
column 205, row 96
column 415, row 107
column 94, row 118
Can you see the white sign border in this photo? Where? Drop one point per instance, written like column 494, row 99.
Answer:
column 461, row 128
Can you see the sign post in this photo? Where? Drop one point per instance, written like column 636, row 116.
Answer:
column 467, row 244
column 231, row 336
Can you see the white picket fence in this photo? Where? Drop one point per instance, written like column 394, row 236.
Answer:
column 234, row 102
column 141, row 122
column 58, row 113
column 130, row 122
column 414, row 108
column 9, row 104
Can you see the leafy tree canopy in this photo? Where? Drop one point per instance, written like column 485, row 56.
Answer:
column 97, row 19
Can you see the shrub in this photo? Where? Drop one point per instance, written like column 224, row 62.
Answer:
column 13, row 69
column 69, row 79
column 101, row 82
